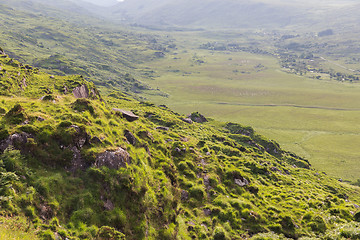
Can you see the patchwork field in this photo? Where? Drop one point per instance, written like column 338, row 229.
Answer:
column 317, row 119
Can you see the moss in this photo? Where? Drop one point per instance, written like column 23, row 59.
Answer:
column 219, row 234
column 16, row 115
column 4, row 133
column 318, row 224
column 83, row 104
column 197, row 192
column 47, row 235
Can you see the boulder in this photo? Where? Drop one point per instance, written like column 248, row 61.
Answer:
column 197, row 117
column 77, row 162
column 40, row 119
column 207, row 211
column 162, row 128
column 81, row 137
column 18, row 140
column 130, row 137
column 81, row 92
column 184, row 195
column 145, row 135
column 95, row 140
column 126, row 114
column 113, row 159
column 108, row 205
column 187, row 120
column 241, row 181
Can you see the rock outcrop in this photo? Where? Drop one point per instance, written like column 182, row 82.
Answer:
column 130, row 137
column 241, row 181
column 113, row 159
column 126, row 114
column 197, row 117
column 81, row 92
column 18, row 140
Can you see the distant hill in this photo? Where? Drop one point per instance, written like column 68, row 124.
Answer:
column 227, row 13
column 207, row 13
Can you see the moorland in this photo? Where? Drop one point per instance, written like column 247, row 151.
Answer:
column 97, row 141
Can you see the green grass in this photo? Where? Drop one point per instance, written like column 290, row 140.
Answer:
column 210, row 180
column 317, row 119
column 16, row 228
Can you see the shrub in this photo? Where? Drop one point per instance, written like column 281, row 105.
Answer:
column 30, row 212
column 47, row 235
column 16, row 115
column 12, row 160
column 82, row 105
column 84, row 215
column 219, row 234
column 109, row 233
column 235, row 128
column 3, row 133
column 357, row 217
column 318, row 224
column 197, row 192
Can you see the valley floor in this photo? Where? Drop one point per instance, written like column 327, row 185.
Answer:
column 317, row 119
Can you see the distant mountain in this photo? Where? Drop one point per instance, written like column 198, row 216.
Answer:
column 226, row 13
column 105, row 3
column 205, row 13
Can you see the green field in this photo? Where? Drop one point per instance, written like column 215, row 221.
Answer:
column 317, row 119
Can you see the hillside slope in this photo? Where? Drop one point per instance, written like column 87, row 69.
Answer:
column 88, row 168
column 41, row 35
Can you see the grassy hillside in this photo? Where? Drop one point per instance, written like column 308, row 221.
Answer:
column 63, row 44
column 78, row 168
column 102, row 52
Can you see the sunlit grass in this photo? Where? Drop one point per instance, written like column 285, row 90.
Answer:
column 301, row 113
column 16, row 228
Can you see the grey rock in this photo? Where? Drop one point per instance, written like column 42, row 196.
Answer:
column 242, row 182
column 81, row 92
column 184, row 195
column 145, row 135
column 18, row 140
column 162, row 128
column 81, row 138
column 77, row 162
column 95, row 140
column 275, row 169
column 130, row 137
column 187, row 120
column 23, row 84
column 108, row 205
column 127, row 114
column 40, row 119
column 197, row 117
column 113, row 159
column 207, row 212
column 46, row 212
